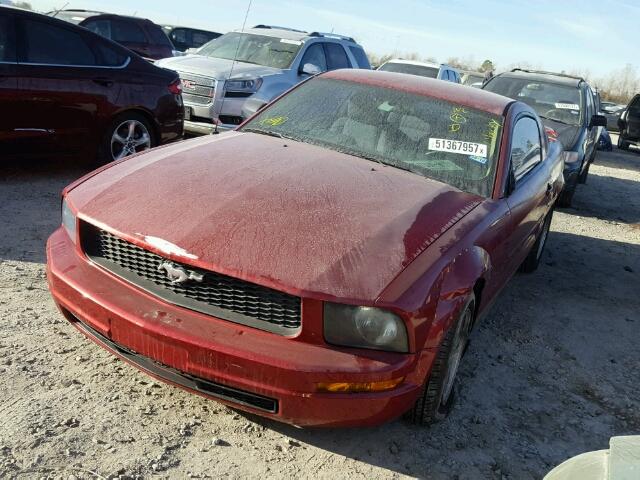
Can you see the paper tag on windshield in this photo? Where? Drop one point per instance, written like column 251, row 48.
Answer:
column 567, row 106
column 291, row 42
column 458, row 146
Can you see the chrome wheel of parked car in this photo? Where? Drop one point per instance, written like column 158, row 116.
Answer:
column 130, row 137
column 437, row 396
column 532, row 261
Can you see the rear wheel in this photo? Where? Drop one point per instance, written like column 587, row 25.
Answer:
column 127, row 134
column 622, row 143
column 566, row 197
column 532, row 261
column 437, row 395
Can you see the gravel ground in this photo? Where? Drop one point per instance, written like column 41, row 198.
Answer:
column 551, row 372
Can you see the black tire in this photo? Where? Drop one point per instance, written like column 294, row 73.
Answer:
column 532, row 261
column 431, row 407
column 106, row 151
column 582, row 178
column 566, row 197
column 622, row 143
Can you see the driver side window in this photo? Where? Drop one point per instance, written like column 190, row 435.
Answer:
column 526, row 151
column 315, row 55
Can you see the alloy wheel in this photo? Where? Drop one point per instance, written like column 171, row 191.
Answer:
column 461, row 337
column 543, row 237
column 130, row 137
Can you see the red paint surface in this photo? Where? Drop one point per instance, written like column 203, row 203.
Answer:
column 312, row 222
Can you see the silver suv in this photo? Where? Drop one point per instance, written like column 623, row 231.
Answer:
column 268, row 61
column 422, row 69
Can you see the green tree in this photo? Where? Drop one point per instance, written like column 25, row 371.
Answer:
column 487, row 66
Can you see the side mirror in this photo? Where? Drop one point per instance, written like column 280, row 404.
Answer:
column 598, row 121
column 310, row 69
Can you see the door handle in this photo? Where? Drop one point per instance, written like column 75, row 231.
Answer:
column 105, row 82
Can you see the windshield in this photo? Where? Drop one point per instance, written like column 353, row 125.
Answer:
column 444, row 141
column 552, row 101
column 473, row 78
column 259, row 49
column 421, row 70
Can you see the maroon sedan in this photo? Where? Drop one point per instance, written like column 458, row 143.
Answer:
column 323, row 264
column 67, row 91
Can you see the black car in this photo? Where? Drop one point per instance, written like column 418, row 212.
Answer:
column 184, row 38
column 568, row 106
column 137, row 34
column 65, row 91
column 629, row 124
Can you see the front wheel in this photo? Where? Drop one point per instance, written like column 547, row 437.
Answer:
column 622, row 143
column 437, row 394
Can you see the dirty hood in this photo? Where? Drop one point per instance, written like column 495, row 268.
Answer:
column 218, row 68
column 567, row 134
column 287, row 215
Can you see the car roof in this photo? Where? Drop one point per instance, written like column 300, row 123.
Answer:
column 414, row 62
column 292, row 34
column 113, row 15
column 428, row 87
column 544, row 77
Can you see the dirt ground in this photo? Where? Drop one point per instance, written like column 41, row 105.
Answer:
column 551, row 372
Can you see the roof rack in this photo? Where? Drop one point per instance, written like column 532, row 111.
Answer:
column 332, row 35
column 544, row 72
column 275, row 27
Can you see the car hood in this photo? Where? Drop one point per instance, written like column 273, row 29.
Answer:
column 287, row 215
column 218, row 68
column 567, row 134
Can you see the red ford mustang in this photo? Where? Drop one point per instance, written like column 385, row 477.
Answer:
column 323, row 264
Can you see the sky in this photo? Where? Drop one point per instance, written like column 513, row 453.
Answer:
column 594, row 37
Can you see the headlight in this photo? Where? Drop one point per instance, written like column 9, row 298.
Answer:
column 249, row 85
column 68, row 220
column 365, row 327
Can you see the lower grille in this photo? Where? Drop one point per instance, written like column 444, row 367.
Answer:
column 169, row 374
column 205, row 291
column 196, row 99
column 197, row 89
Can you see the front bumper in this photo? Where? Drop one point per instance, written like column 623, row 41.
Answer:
column 207, row 355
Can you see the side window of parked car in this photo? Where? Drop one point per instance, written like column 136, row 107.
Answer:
column 50, row 44
column 336, row 56
column 101, row 27
column 127, row 32
column 361, row 57
column 589, row 112
column 109, row 56
column 526, row 151
column 315, row 55
column 7, row 43
column 200, row 38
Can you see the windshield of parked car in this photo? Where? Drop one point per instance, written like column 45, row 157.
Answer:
column 259, row 49
column 444, row 141
column 553, row 101
column 473, row 78
column 421, row 70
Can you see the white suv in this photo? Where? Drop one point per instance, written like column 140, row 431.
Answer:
column 423, row 69
column 268, row 62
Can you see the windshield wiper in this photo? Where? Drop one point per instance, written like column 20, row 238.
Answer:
column 263, row 132
column 555, row 120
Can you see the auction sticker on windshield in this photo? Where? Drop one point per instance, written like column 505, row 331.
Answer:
column 568, row 106
column 458, row 146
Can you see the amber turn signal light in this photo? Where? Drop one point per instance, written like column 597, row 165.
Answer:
column 346, row 387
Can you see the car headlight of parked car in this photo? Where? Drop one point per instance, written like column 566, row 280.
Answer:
column 244, row 85
column 69, row 220
column 365, row 327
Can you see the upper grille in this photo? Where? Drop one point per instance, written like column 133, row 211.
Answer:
column 218, row 295
column 197, row 89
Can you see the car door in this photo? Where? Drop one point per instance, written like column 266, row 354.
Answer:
column 633, row 119
column 531, row 187
column 9, row 97
column 62, row 88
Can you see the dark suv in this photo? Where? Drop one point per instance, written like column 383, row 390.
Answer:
column 568, row 106
column 137, row 34
column 629, row 124
column 184, row 38
column 67, row 91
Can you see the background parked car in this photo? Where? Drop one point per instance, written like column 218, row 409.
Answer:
column 74, row 16
column 184, row 38
column 612, row 111
column 270, row 60
column 568, row 106
column 472, row 79
column 69, row 91
column 423, row 69
column 137, row 34
column 629, row 124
